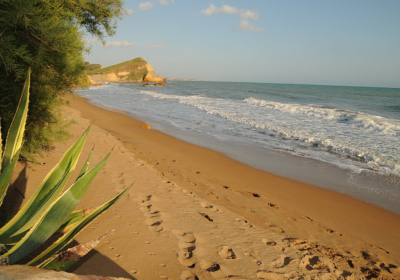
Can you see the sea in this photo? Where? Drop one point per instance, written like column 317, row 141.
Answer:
column 346, row 139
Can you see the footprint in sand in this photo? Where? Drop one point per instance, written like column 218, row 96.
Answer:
column 311, row 262
column 206, row 216
column 186, row 247
column 244, row 222
column 153, row 221
column 191, row 194
column 145, row 206
column 273, row 205
column 300, row 244
column 154, row 224
column 275, row 228
column 209, row 266
column 209, row 206
column 213, row 195
column 188, row 275
column 227, row 253
column 269, row 242
column 254, row 194
column 153, row 217
column 252, row 258
column 307, row 218
column 206, row 205
column 282, row 261
column 370, row 257
column 371, row 273
column 332, row 231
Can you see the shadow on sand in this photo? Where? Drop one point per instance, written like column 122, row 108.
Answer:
column 95, row 263
column 14, row 197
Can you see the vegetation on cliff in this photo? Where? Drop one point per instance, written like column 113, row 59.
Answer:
column 90, row 67
column 133, row 70
column 48, row 37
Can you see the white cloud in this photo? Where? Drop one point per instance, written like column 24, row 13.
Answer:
column 145, row 6
column 244, row 14
column 155, row 46
column 150, row 4
column 111, row 44
column 245, row 25
column 226, row 9
column 130, row 12
column 249, row 14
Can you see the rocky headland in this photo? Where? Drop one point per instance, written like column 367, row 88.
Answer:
column 134, row 71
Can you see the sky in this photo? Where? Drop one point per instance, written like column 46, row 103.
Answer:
column 336, row 42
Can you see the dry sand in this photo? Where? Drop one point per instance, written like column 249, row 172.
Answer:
column 192, row 211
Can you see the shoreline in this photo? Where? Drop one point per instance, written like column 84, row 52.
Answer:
column 290, row 159
column 188, row 204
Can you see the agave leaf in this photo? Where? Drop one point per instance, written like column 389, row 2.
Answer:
column 1, row 148
column 54, row 216
column 40, row 260
column 66, row 259
column 5, row 176
column 46, row 193
column 75, row 217
column 85, row 166
column 17, row 128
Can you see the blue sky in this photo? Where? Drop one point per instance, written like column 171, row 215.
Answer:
column 337, row 42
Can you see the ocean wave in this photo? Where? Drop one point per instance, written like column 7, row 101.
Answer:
column 353, row 139
column 314, row 135
column 357, row 119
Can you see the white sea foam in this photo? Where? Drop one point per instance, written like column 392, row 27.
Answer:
column 358, row 119
column 316, row 132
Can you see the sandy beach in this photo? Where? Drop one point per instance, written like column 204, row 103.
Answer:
column 193, row 212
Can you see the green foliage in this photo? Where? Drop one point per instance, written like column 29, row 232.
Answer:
column 91, row 67
column 47, row 211
column 136, row 68
column 48, row 37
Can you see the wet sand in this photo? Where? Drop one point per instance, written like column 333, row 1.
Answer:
column 194, row 211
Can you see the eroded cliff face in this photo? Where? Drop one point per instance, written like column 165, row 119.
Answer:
column 136, row 70
column 110, row 77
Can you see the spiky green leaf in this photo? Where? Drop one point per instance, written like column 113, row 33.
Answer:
column 54, row 216
column 46, row 193
column 40, row 261
column 5, row 176
column 17, row 128
column 85, row 166
column 75, row 217
column 1, row 148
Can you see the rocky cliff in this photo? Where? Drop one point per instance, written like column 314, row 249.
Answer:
column 135, row 70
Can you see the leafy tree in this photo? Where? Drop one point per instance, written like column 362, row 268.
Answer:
column 47, row 35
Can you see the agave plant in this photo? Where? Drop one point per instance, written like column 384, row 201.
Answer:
column 49, row 210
